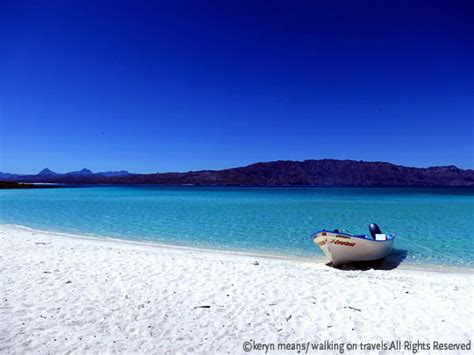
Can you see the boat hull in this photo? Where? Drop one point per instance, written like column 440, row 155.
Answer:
column 342, row 248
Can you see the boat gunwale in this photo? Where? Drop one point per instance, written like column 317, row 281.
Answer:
column 360, row 236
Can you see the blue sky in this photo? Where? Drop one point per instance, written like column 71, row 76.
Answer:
column 186, row 85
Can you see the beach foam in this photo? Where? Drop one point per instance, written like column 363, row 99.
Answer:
column 63, row 294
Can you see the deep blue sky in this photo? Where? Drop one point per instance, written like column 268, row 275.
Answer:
column 184, row 85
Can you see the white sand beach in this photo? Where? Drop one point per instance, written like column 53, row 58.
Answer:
column 61, row 294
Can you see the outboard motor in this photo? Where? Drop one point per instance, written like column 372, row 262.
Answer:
column 374, row 229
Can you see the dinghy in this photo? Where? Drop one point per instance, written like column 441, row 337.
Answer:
column 343, row 248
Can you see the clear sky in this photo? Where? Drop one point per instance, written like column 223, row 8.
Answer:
column 185, row 85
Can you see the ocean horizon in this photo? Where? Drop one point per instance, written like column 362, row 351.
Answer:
column 433, row 225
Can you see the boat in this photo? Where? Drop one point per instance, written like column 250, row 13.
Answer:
column 343, row 248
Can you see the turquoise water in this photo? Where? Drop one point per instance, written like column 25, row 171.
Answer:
column 433, row 225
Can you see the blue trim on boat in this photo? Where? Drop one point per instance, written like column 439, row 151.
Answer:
column 362, row 236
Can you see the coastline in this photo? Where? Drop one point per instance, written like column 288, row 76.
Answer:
column 63, row 293
column 404, row 265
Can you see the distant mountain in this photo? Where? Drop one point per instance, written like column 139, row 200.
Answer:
column 114, row 173
column 325, row 172
column 83, row 172
column 8, row 176
column 47, row 172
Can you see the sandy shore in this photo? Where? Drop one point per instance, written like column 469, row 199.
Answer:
column 62, row 294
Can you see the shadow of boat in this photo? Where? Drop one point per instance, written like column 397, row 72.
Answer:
column 390, row 262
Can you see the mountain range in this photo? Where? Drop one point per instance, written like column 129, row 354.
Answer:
column 47, row 175
column 325, row 172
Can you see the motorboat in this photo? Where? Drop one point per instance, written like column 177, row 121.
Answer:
column 343, row 248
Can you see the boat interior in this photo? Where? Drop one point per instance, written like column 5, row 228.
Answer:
column 375, row 234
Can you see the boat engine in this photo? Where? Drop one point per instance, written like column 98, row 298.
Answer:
column 374, row 229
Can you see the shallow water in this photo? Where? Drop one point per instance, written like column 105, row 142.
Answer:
column 433, row 225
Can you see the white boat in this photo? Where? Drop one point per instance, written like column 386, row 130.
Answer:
column 342, row 248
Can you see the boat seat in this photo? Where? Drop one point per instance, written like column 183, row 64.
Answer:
column 380, row 237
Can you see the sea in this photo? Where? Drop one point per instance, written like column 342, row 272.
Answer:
column 433, row 226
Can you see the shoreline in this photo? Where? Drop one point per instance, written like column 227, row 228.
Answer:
column 268, row 255
column 91, row 295
column 13, row 185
